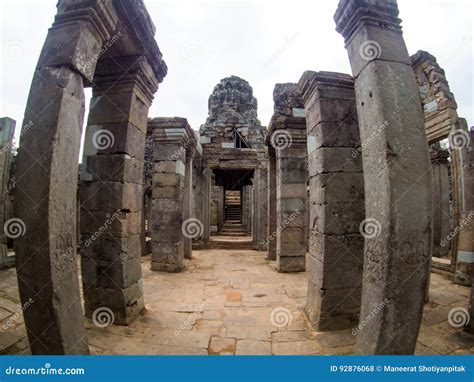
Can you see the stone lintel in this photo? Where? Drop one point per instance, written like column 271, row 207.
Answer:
column 77, row 34
column 135, row 19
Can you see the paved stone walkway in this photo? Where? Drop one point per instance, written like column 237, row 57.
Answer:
column 233, row 302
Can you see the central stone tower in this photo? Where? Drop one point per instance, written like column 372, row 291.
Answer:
column 232, row 120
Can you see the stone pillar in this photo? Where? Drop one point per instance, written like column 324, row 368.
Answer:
column 440, row 201
column 7, row 131
column 46, row 176
column 250, row 210
column 396, row 175
column 288, row 176
column 201, row 203
column 220, row 208
column 169, row 228
column 112, row 187
column 259, row 208
column 187, row 202
column 291, row 178
column 206, row 199
column 272, row 205
column 465, row 255
column 215, row 193
column 336, row 201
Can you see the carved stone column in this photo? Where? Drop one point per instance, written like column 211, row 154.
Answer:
column 465, row 255
column 272, row 206
column 112, row 187
column 7, row 131
column 336, row 201
column 46, row 173
column 440, row 194
column 396, row 175
column 169, row 227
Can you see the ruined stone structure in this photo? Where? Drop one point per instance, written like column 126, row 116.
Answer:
column 344, row 165
column 442, row 122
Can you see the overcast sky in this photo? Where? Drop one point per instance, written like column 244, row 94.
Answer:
column 264, row 42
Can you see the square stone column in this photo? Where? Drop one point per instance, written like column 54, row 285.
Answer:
column 201, row 203
column 291, row 180
column 465, row 253
column 396, row 176
column 336, row 201
column 272, row 204
column 288, row 177
column 440, row 201
column 259, row 208
column 111, row 193
column 170, row 224
column 188, row 202
column 46, row 178
column 7, row 131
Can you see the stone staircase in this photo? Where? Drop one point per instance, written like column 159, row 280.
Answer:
column 232, row 236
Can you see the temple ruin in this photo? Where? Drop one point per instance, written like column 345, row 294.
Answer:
column 344, row 226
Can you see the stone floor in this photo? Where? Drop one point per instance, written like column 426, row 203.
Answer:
column 233, row 302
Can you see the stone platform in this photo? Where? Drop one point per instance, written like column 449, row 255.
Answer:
column 233, row 302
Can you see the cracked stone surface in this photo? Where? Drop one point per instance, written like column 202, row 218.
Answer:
column 222, row 304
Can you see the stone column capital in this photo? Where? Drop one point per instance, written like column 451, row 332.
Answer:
column 326, row 85
column 125, row 74
column 292, row 130
column 353, row 14
column 173, row 131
